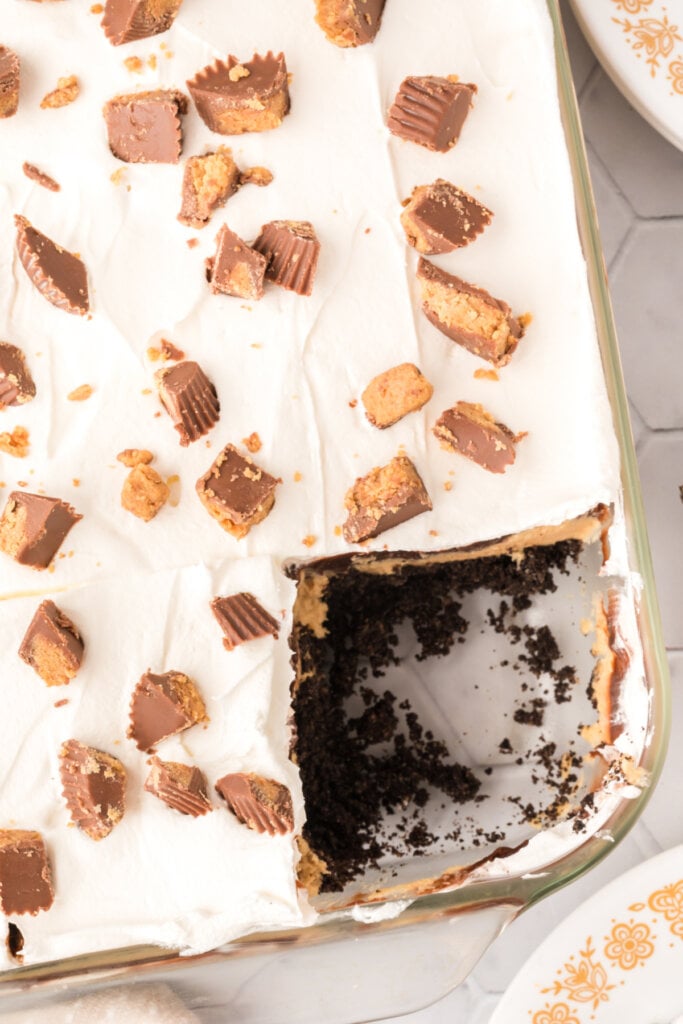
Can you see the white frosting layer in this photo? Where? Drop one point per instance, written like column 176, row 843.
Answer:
column 289, row 368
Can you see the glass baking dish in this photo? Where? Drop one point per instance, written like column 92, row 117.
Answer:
column 404, row 955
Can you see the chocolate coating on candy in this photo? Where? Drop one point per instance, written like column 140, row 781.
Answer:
column 59, row 275
column 52, row 645
column 470, row 430
column 388, row 496
column 349, row 22
column 468, row 315
column 16, row 382
column 232, row 98
column 127, row 20
column 145, row 127
column 10, row 78
column 94, row 786
column 163, row 705
column 181, row 786
column 393, row 394
column 242, row 619
column 189, row 398
column 33, row 527
column 292, row 249
column 25, row 875
column 236, row 492
column 236, row 269
column 431, row 111
column 208, row 182
column 259, row 803
column 442, row 217
column 42, row 179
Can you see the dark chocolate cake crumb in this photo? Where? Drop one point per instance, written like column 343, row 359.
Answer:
column 15, row 942
column 532, row 713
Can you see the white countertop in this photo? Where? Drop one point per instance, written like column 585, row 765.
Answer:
column 638, row 182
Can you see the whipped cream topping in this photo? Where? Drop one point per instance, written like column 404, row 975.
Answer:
column 289, row 368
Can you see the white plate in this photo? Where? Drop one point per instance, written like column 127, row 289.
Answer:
column 618, row 959
column 640, row 45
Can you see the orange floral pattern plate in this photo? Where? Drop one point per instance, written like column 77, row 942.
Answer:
column 618, row 959
column 640, row 45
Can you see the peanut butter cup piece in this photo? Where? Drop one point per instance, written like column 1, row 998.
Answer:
column 259, row 803
column 145, row 127
column 16, row 382
column 189, row 398
column 242, row 619
column 52, row 645
column 181, row 786
column 236, row 269
column 25, row 875
column 431, row 111
column 291, row 249
column 40, row 177
column 144, row 492
column 236, row 492
column 233, row 97
column 33, row 527
column 386, row 497
column 393, row 394
column 442, row 217
column 93, row 786
column 349, row 22
column 10, row 78
column 125, row 21
column 208, row 182
column 469, row 429
column 67, row 90
column 163, row 705
column 468, row 315
column 60, row 276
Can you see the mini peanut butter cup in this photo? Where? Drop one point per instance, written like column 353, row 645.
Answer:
column 386, row 497
column 146, row 127
column 25, row 875
column 431, row 111
column 52, row 645
column 208, row 182
column 10, row 79
column 236, row 492
column 242, row 619
column 471, row 431
column 163, row 705
column 125, row 21
column 94, row 785
column 16, row 382
column 349, row 22
column 292, row 249
column 233, row 97
column 60, row 276
column 33, row 527
column 441, row 217
column 190, row 399
column 393, row 394
column 181, row 786
column 236, row 269
column 259, row 803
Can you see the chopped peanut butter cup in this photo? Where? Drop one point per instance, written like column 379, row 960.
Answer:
column 431, row 111
column 16, row 382
column 468, row 315
column 236, row 492
column 469, row 429
column 125, row 21
column 60, row 276
column 232, row 98
column 52, row 645
column 181, row 786
column 93, row 786
column 189, row 398
column 145, row 127
column 292, row 249
column 259, row 803
column 349, row 22
column 442, row 217
column 236, row 269
column 10, row 77
column 144, row 492
column 208, row 182
column 25, row 875
column 33, row 527
column 40, row 177
column 163, row 705
column 393, row 394
column 242, row 619
column 388, row 496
